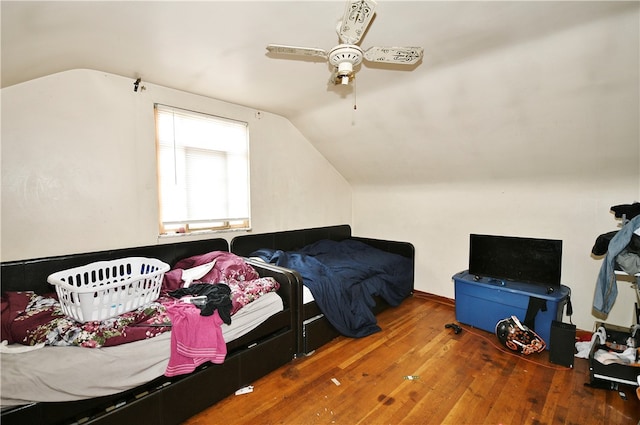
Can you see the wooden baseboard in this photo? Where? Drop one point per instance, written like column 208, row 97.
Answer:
column 434, row 297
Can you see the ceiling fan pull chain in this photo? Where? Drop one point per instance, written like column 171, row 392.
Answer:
column 355, row 89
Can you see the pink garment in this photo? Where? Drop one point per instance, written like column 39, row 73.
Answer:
column 195, row 339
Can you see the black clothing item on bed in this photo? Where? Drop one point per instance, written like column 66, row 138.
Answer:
column 343, row 278
column 218, row 297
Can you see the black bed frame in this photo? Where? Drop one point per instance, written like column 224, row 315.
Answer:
column 164, row 401
column 312, row 334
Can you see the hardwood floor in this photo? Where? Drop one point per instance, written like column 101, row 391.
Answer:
column 460, row 379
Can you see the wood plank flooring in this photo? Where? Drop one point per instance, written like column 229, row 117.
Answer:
column 460, row 379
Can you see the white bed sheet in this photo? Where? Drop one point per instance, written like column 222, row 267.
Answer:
column 307, row 296
column 70, row 373
column 250, row 316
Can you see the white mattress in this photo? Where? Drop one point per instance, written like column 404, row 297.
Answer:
column 307, row 296
column 250, row 316
column 70, row 373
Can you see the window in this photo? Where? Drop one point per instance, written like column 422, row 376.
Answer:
column 203, row 171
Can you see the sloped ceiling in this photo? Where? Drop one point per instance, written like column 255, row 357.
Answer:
column 394, row 125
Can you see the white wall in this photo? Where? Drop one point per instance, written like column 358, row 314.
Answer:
column 79, row 174
column 545, row 139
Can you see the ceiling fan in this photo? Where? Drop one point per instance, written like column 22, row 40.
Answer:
column 346, row 55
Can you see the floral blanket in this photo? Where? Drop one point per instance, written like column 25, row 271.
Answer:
column 29, row 318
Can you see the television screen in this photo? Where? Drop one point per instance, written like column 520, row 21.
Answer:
column 518, row 259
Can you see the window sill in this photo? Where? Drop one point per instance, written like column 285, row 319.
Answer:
column 198, row 233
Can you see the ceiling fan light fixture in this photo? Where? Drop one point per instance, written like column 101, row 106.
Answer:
column 345, row 53
column 345, row 72
column 344, row 57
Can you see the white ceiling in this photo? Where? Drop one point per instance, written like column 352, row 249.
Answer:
column 217, row 49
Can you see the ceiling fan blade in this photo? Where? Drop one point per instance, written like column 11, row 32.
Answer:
column 299, row 51
column 398, row 55
column 357, row 15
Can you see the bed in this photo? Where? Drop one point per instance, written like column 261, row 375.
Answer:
column 144, row 394
column 316, row 324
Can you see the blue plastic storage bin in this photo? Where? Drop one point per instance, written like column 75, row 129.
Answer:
column 482, row 303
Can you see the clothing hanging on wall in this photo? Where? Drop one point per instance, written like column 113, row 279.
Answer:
column 627, row 211
column 606, row 285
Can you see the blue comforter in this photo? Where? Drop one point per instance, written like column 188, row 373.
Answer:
column 343, row 278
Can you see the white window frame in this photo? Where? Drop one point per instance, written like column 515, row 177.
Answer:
column 203, row 172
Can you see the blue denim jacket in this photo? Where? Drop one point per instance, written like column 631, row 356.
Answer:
column 606, row 285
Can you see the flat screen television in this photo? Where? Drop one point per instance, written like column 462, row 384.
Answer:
column 530, row 260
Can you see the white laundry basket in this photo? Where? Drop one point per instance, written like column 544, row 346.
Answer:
column 106, row 289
